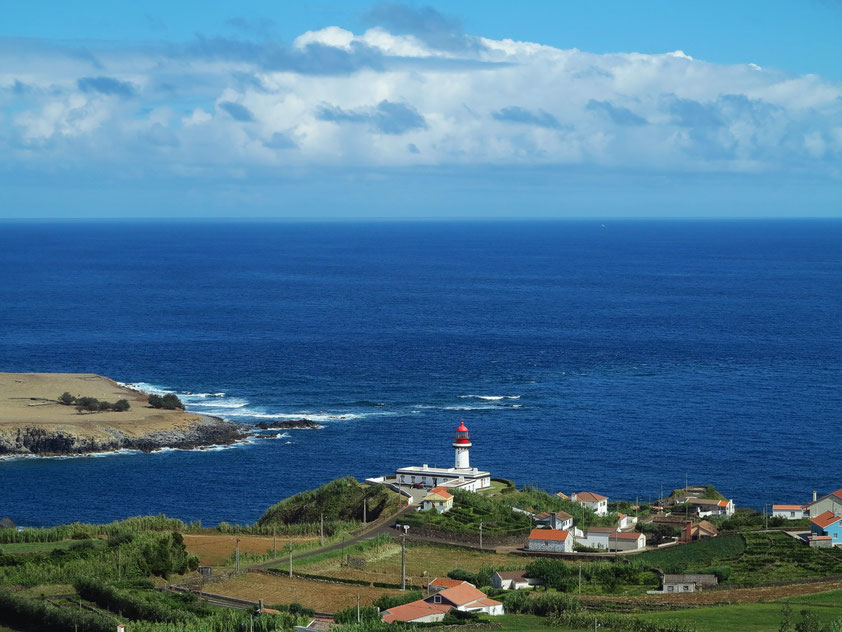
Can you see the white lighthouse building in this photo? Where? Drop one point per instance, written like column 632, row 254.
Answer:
column 461, row 475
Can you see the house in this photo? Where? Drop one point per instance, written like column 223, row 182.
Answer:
column 687, row 583
column 597, row 537
column 553, row 540
column 828, row 524
column 597, row 502
column 627, row 541
column 513, row 580
column 626, row 522
column 439, row 499
column 701, row 530
column 610, row 539
column 830, row 502
column 466, row 598
column 416, row 612
column 790, row 512
column 705, row 507
column 561, row 520
column 440, row 583
column 542, row 519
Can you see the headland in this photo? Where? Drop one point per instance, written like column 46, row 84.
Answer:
column 34, row 421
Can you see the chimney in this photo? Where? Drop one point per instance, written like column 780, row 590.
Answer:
column 260, row 604
column 814, row 495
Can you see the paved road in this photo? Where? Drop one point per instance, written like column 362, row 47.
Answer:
column 386, row 527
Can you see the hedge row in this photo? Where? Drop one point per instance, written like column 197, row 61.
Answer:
column 132, row 607
column 42, row 615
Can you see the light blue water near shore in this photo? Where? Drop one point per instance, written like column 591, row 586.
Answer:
column 615, row 359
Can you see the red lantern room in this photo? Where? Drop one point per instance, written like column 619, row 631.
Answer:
column 462, row 434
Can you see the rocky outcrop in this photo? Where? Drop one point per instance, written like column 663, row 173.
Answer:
column 290, row 424
column 203, row 431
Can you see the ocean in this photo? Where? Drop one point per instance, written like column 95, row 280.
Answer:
column 619, row 357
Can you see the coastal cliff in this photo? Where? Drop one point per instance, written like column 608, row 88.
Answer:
column 32, row 421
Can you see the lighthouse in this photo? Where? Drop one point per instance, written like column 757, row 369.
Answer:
column 462, row 445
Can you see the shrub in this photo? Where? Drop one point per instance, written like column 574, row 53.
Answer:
column 390, row 601
column 90, row 404
column 121, row 405
column 349, row 615
column 66, row 399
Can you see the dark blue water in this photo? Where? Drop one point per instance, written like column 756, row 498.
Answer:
column 628, row 355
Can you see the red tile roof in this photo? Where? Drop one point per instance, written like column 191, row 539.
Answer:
column 589, row 497
column 549, row 534
column 626, row 535
column 826, row 519
column 460, row 595
column 441, row 491
column 837, row 494
column 445, row 582
column 563, row 495
column 414, row 610
column 788, row 507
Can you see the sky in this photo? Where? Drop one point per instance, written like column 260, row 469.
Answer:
column 475, row 109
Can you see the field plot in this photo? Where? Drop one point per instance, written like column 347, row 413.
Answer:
column 216, row 550
column 775, row 556
column 423, row 563
column 274, row 589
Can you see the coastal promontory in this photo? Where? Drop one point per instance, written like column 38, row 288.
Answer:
column 35, row 420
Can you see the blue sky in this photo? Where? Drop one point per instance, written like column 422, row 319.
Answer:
column 437, row 109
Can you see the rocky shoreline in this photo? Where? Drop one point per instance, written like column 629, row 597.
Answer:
column 35, row 440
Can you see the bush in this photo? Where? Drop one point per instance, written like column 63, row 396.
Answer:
column 66, row 399
column 121, row 405
column 390, row 601
column 30, row 613
column 349, row 615
column 90, row 404
column 170, row 401
column 131, row 606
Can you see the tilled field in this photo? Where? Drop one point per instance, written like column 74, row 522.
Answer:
column 714, row 597
column 215, row 550
column 273, row 589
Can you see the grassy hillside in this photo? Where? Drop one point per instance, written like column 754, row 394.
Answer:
column 340, row 501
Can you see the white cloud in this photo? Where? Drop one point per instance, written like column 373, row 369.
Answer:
column 386, row 100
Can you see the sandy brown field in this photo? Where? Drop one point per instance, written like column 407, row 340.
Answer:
column 215, row 550
column 30, row 399
column 321, row 596
column 423, row 563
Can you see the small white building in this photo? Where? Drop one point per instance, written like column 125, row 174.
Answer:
column 597, row 502
column 553, row 540
column 513, row 580
column 687, row 583
column 705, row 507
column 597, row 537
column 790, row 512
column 626, row 522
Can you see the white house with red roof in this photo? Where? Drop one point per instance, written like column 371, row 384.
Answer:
column 467, row 598
column 790, row 512
column 597, row 502
column 553, row 540
column 438, row 499
column 461, row 475
column 830, row 502
column 826, row 529
column 705, row 507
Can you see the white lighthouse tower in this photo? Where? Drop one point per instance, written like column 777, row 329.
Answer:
column 462, row 444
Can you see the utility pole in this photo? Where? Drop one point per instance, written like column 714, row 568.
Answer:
column 118, row 564
column 480, row 535
column 365, row 510
column 238, row 556
column 403, row 557
column 290, row 558
column 358, row 607
column 274, row 540
column 321, row 529
column 580, row 578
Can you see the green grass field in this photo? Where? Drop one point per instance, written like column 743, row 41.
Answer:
column 22, row 548
column 775, row 556
column 695, row 555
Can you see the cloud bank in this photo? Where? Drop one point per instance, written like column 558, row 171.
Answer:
column 411, row 91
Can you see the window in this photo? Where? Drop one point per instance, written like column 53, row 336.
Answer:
column 670, row 588
column 792, row 514
column 685, row 587
column 437, row 599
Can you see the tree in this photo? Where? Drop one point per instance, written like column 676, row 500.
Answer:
column 786, row 619
column 171, row 401
column 90, row 404
column 156, row 401
column 121, row 405
column 66, row 398
column 809, row 622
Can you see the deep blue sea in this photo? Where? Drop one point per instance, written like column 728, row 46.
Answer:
column 615, row 358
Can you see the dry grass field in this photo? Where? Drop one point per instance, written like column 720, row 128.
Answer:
column 274, row 589
column 423, row 562
column 215, row 550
